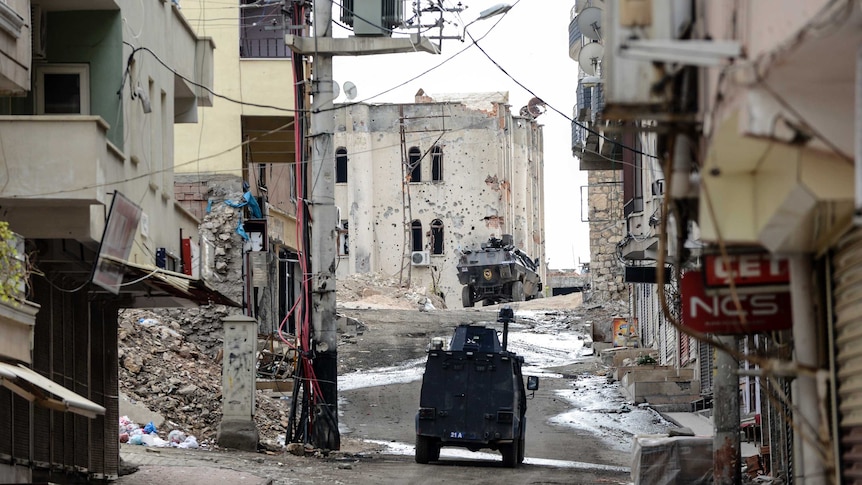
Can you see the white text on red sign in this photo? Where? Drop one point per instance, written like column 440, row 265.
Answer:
column 747, row 269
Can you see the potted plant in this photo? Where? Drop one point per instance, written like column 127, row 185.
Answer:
column 14, row 270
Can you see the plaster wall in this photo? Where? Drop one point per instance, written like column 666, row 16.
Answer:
column 213, row 144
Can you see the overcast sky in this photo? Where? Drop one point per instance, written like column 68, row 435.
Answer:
column 531, row 43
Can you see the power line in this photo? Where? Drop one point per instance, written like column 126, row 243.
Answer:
column 573, row 121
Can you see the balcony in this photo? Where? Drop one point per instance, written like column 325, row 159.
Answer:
column 52, row 188
column 262, row 33
column 576, row 38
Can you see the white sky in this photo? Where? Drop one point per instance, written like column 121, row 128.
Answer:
column 531, row 43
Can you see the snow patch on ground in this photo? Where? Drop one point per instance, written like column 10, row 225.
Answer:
column 395, row 448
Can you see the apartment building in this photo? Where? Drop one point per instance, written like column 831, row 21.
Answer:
column 87, row 109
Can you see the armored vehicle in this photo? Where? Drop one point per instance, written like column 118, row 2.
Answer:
column 473, row 395
column 498, row 272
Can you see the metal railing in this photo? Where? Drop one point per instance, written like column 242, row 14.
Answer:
column 264, row 48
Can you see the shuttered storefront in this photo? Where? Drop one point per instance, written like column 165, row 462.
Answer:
column 847, row 281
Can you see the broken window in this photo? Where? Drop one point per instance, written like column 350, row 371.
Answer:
column 416, row 235
column 437, row 163
column 343, row 238
column 436, row 236
column 341, row 166
column 414, row 165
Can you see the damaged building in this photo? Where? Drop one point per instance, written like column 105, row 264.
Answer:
column 418, row 183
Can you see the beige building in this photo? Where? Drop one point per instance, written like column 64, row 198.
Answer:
column 89, row 94
column 418, row 183
column 249, row 136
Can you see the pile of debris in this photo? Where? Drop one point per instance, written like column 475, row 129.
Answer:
column 169, row 361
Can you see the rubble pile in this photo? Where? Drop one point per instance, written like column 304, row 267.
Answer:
column 171, row 366
column 377, row 290
column 170, row 359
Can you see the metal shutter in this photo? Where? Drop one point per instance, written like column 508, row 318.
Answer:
column 847, row 281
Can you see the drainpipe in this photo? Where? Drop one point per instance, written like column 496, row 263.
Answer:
column 807, row 466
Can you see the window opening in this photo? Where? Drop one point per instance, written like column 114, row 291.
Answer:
column 341, row 166
column 414, row 160
column 437, row 236
column 63, row 89
column 343, row 239
column 437, row 163
column 416, row 235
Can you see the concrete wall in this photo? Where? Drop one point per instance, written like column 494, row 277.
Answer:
column 492, row 185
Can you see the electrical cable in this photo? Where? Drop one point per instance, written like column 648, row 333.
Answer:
column 553, row 108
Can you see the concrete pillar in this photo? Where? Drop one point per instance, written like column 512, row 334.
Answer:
column 725, row 444
column 808, row 465
column 237, row 429
column 321, row 190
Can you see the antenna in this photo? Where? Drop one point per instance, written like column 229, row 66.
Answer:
column 589, row 58
column 349, row 90
column 590, row 23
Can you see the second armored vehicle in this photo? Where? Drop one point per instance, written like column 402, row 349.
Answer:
column 498, row 272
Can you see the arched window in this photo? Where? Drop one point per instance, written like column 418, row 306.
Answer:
column 437, row 163
column 414, row 165
column 436, row 236
column 341, row 166
column 416, row 235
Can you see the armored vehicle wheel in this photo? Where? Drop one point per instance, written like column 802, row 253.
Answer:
column 466, row 297
column 517, row 291
column 510, row 454
column 427, row 449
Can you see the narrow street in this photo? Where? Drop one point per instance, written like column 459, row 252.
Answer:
column 579, row 425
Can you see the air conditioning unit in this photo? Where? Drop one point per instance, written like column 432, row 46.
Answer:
column 629, row 82
column 420, row 258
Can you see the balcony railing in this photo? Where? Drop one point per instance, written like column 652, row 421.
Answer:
column 264, row 48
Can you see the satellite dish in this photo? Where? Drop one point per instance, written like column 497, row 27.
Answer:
column 589, row 58
column 536, row 107
column 349, row 90
column 336, row 89
column 590, row 23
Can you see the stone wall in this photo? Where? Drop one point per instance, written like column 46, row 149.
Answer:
column 607, row 226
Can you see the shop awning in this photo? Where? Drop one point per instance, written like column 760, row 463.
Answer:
column 44, row 392
column 152, row 287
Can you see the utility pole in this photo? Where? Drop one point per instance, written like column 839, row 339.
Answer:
column 725, row 443
column 321, row 182
column 321, row 198
column 321, row 185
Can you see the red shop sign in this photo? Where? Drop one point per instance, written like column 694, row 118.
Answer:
column 718, row 314
column 746, row 270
